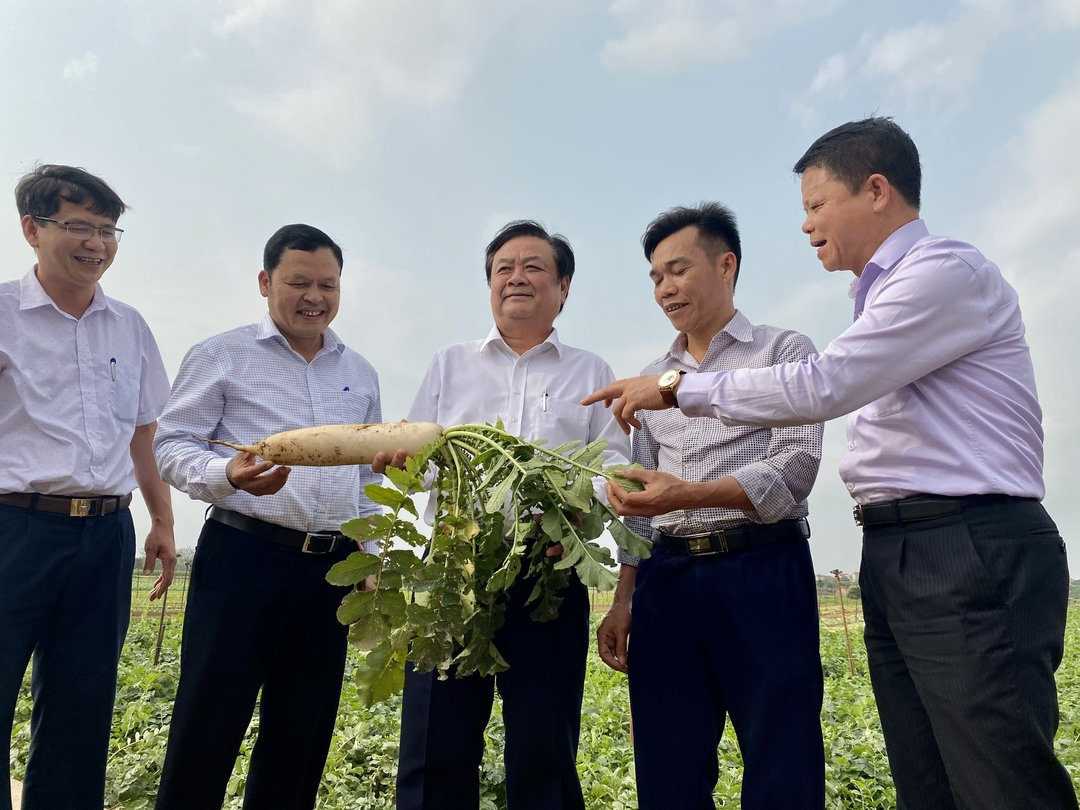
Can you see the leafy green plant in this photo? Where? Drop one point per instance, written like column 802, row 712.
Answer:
column 501, row 503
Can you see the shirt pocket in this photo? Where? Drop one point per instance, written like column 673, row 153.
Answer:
column 123, row 381
column 346, row 407
column 561, row 420
column 890, row 404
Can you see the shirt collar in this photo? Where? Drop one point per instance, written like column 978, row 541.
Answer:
column 268, row 330
column 738, row 328
column 495, row 337
column 33, row 295
column 891, row 251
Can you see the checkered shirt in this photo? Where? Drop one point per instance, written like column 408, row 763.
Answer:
column 247, row 384
column 776, row 467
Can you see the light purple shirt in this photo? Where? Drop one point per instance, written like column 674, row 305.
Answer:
column 72, row 392
column 935, row 375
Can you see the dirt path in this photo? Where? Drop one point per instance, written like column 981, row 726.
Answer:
column 16, row 795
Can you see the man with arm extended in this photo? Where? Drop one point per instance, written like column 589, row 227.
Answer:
column 964, row 578
column 260, row 614
column 522, row 373
column 81, row 385
column 725, row 610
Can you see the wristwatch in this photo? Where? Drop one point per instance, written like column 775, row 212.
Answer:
column 669, row 386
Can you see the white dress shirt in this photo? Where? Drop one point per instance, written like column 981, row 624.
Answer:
column 537, row 394
column 72, row 391
column 247, row 384
column 935, row 374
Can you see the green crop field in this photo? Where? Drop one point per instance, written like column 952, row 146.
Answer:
column 360, row 770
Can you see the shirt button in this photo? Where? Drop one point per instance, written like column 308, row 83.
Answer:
column 513, row 418
column 517, row 390
column 851, row 446
column 851, row 487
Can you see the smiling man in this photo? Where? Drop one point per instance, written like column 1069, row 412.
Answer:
column 522, row 373
column 260, row 613
column 725, row 609
column 964, row 578
column 81, row 384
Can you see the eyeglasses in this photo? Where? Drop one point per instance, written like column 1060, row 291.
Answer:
column 83, row 231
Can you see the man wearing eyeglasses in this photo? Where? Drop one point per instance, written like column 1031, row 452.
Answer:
column 81, row 386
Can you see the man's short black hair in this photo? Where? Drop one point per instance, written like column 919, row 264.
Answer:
column 297, row 237
column 855, row 150
column 564, row 254
column 41, row 192
column 718, row 232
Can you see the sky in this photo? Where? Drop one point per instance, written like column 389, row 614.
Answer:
column 411, row 130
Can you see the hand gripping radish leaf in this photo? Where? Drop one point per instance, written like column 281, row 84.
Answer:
column 501, row 502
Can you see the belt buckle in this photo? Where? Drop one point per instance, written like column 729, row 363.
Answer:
column 80, row 507
column 307, row 549
column 857, row 513
column 699, row 545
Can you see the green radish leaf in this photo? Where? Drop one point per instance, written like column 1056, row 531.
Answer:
column 381, row 675
column 354, row 605
column 627, row 539
column 367, row 528
column 353, row 569
column 385, row 496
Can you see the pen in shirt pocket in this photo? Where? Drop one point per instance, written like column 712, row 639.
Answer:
column 112, row 367
column 543, row 402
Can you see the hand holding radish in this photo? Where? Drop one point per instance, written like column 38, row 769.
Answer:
column 382, row 460
column 247, row 472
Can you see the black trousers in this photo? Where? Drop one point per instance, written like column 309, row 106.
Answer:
column 728, row 635
column 965, row 623
column 65, row 598
column 442, row 722
column 259, row 616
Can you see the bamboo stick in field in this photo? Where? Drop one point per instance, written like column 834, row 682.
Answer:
column 847, row 638
column 161, row 629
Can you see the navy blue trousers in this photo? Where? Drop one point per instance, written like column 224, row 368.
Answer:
column 443, row 722
column 65, row 600
column 729, row 635
column 965, row 624
column 259, row 616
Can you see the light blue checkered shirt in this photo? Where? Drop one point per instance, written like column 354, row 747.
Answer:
column 244, row 385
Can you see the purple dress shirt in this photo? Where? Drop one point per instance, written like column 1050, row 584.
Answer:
column 934, row 373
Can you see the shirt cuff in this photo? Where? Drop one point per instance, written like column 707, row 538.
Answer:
column 626, row 559
column 695, row 393
column 215, row 479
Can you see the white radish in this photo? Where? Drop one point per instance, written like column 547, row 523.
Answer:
column 331, row 445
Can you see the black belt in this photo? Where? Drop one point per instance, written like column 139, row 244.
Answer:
column 74, row 506
column 907, row 510
column 307, row 542
column 748, row 535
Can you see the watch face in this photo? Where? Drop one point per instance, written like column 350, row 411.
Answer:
column 668, row 378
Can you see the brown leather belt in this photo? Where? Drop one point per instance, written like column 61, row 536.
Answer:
column 307, row 542
column 77, row 506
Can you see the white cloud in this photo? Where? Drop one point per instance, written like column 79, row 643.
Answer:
column 245, row 15
column 1063, row 11
column 830, row 77
column 932, row 58
column 942, row 58
column 80, row 68
column 667, row 36
column 1030, row 233
column 354, row 62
